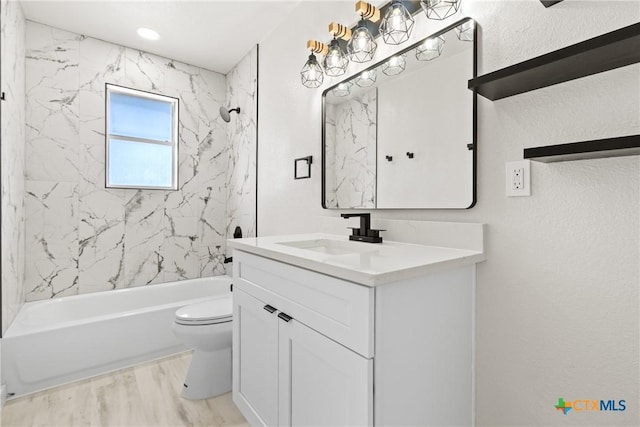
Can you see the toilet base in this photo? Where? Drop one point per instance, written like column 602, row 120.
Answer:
column 209, row 374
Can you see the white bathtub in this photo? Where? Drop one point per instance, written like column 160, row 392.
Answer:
column 62, row 340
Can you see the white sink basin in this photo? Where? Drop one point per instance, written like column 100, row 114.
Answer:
column 331, row 247
column 369, row 264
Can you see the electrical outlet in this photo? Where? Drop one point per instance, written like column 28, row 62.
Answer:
column 518, row 175
column 517, row 178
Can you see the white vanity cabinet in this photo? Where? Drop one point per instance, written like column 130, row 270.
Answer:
column 255, row 355
column 311, row 348
column 320, row 381
column 287, row 373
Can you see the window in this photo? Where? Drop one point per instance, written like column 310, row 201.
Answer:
column 142, row 139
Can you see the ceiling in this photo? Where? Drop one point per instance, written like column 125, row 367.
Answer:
column 211, row 34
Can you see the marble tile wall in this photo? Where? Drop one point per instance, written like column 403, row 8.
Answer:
column 242, row 84
column 12, row 128
column 330, row 196
column 351, row 152
column 82, row 237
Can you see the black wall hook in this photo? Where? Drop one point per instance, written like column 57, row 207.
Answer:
column 2, row 98
column 389, row 158
column 409, row 155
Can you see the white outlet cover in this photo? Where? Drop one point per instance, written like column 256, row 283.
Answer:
column 518, row 172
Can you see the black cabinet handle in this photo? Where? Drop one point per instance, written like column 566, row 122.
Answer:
column 284, row 316
column 270, row 308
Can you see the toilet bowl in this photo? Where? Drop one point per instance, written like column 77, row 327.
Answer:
column 206, row 327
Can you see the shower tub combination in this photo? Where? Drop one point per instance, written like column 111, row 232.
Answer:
column 57, row 341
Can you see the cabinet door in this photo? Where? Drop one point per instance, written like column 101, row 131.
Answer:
column 321, row 382
column 255, row 359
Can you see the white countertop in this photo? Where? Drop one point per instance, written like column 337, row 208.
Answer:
column 374, row 264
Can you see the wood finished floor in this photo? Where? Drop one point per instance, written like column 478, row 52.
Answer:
column 144, row 395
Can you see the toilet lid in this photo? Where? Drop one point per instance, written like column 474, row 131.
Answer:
column 215, row 310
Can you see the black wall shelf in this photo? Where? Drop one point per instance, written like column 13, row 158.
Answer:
column 548, row 3
column 606, row 52
column 600, row 148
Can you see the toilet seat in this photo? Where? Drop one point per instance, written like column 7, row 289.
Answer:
column 210, row 312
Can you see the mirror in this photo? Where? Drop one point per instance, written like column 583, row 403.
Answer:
column 402, row 133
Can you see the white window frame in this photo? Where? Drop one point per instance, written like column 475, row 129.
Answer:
column 111, row 88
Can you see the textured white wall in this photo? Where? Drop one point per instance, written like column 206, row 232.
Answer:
column 558, row 303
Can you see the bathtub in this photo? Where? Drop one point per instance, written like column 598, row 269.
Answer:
column 57, row 341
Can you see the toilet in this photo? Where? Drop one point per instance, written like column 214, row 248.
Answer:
column 206, row 327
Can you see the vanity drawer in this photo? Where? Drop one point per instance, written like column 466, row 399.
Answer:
column 341, row 310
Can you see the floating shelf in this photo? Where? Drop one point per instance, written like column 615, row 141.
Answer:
column 601, row 148
column 606, row 52
column 548, row 3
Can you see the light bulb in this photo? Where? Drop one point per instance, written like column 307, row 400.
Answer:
column 366, row 78
column 395, row 65
column 343, row 89
column 333, row 59
column 335, row 62
column 362, row 45
column 397, row 24
column 311, row 74
column 396, row 21
column 430, row 49
column 440, row 9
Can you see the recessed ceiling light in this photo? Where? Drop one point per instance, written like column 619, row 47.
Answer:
column 148, row 33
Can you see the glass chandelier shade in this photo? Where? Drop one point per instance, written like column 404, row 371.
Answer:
column 367, row 78
column 335, row 61
column 430, row 49
column 343, row 89
column 397, row 24
column 440, row 9
column 362, row 46
column 395, row 65
column 311, row 73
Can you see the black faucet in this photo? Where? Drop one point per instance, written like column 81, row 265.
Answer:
column 364, row 233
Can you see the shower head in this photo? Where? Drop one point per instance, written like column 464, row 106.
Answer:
column 225, row 114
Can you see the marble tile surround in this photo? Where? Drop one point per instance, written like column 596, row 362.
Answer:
column 242, row 134
column 351, row 160
column 81, row 237
column 12, row 39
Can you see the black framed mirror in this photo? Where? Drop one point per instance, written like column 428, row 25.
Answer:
column 401, row 134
